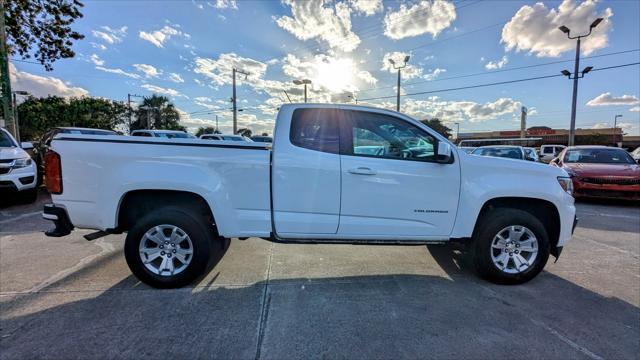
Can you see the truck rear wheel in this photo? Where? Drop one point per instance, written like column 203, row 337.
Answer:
column 171, row 247
column 511, row 246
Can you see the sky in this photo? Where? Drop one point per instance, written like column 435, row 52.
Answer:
column 186, row 50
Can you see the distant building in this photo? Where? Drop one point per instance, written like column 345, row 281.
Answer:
column 607, row 136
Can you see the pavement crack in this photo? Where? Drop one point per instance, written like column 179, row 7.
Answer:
column 266, row 303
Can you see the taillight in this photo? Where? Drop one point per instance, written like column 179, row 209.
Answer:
column 53, row 172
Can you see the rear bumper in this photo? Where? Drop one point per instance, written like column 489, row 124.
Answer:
column 60, row 219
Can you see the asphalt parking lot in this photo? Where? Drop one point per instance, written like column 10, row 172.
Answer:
column 70, row 298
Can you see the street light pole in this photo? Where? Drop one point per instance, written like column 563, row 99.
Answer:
column 304, row 82
column 576, row 76
column 457, row 131
column 399, row 68
column 615, row 125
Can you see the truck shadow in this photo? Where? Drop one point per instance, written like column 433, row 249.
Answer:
column 377, row 316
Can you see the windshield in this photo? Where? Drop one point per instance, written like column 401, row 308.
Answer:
column 598, row 156
column 512, row 153
column 5, row 140
column 87, row 132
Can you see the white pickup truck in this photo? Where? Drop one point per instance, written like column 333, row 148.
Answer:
column 334, row 174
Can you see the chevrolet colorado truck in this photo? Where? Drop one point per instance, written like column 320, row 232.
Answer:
column 334, row 174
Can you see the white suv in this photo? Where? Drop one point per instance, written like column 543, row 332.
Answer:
column 17, row 169
column 549, row 152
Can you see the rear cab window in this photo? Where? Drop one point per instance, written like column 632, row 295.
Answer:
column 315, row 129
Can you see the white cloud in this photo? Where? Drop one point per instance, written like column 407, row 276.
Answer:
column 367, row 77
column 408, row 72
column 109, row 35
column 176, row 78
column 161, row 90
column 98, row 46
column 40, row 86
column 118, row 71
column 635, row 109
column 423, row 17
column 224, row 4
column 321, row 20
column 148, row 70
column 607, row 99
column 159, row 37
column 96, row 60
column 220, row 70
column 452, row 111
column 498, row 64
column 432, row 74
column 367, row 7
column 535, row 28
column 602, row 125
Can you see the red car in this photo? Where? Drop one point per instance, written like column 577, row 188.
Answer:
column 601, row 172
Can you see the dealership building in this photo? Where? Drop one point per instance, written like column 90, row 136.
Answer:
column 606, row 136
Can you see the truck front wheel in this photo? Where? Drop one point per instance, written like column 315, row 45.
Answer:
column 171, row 247
column 511, row 246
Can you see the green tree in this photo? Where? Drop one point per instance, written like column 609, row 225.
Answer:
column 42, row 29
column 156, row 112
column 205, row 130
column 34, row 28
column 245, row 132
column 38, row 115
column 437, row 125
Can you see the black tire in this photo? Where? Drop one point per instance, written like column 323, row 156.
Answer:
column 207, row 247
column 29, row 196
column 489, row 225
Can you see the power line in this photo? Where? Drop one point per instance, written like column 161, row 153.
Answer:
column 500, row 70
column 493, row 83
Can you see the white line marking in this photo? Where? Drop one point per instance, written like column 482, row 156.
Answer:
column 106, row 248
column 20, row 217
column 589, row 213
column 567, row 340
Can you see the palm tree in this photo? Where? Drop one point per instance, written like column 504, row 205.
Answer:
column 156, row 112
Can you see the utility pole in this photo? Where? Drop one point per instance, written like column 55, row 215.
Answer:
column 457, row 131
column 217, row 124
column 5, row 80
column 233, row 99
column 523, row 122
column 399, row 68
column 615, row 127
column 576, row 76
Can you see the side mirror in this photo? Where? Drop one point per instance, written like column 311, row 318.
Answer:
column 444, row 153
column 27, row 145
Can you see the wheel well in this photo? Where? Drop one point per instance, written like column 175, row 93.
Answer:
column 136, row 204
column 543, row 210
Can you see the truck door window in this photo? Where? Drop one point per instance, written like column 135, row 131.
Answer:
column 315, row 129
column 387, row 137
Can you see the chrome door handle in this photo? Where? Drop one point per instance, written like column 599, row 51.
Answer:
column 362, row 171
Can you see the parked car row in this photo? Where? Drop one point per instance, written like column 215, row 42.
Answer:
column 595, row 171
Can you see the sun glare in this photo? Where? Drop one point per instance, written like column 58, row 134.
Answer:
column 336, row 74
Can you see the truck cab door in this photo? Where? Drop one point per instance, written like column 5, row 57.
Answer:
column 392, row 186
column 306, row 174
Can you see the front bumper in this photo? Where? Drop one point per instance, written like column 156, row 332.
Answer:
column 583, row 189
column 60, row 219
column 19, row 179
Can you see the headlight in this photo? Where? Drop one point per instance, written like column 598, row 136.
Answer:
column 20, row 163
column 566, row 184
